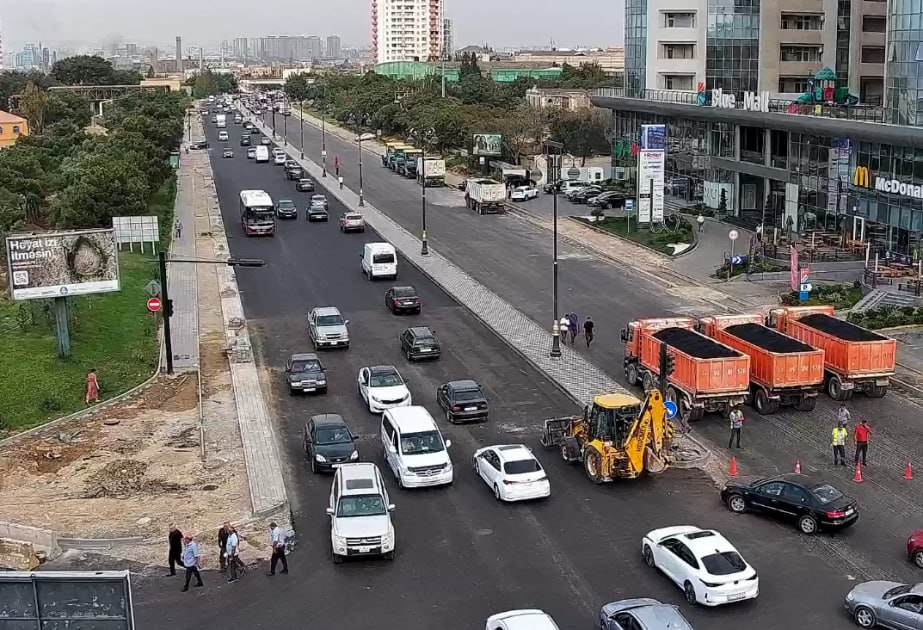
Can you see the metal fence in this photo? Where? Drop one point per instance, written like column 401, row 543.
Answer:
column 66, row 600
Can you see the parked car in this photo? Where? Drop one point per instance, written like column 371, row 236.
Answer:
column 512, row 472
column 201, row 144
column 403, row 300
column 523, row 193
column 327, row 328
column 702, row 562
column 533, row 619
column 352, row 221
column 286, row 209
column 305, row 373
column 248, row 125
column 320, row 200
column 885, row 604
column 279, row 159
column 585, row 194
column 328, row 442
column 571, row 185
column 227, row 153
column 915, row 547
column 641, row 613
column 419, row 342
column 251, row 153
column 462, row 400
column 382, row 387
column 606, row 200
column 289, row 163
column 304, row 185
column 810, row 503
column 550, row 187
column 214, row 119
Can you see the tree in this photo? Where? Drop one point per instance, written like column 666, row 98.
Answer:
column 583, row 132
column 297, row 87
column 101, row 185
column 521, row 128
column 68, row 107
column 14, row 82
column 83, row 70
column 34, row 105
column 723, row 203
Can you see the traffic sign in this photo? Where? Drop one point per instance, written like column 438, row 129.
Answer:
column 152, row 288
column 323, row 154
column 629, row 206
column 733, row 235
column 803, row 295
column 737, row 260
column 806, row 287
column 154, row 304
column 573, row 172
column 670, row 406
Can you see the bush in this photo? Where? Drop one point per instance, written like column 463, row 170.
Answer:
column 888, row 317
column 839, row 296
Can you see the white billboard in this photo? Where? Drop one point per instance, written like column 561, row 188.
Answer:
column 61, row 264
column 140, row 229
column 650, row 185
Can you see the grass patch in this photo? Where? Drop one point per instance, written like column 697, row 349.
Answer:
column 618, row 226
column 839, row 296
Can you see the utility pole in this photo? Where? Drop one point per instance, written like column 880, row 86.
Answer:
column 167, row 310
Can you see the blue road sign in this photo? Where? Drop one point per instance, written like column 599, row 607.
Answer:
column 671, row 408
column 737, row 260
column 803, row 296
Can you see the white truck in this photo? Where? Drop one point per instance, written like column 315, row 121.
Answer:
column 485, row 196
column 221, row 120
column 434, row 169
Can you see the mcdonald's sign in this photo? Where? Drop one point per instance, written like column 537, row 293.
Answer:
column 862, row 178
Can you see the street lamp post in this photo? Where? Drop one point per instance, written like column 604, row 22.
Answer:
column 553, row 172
column 323, row 131
column 285, row 129
column 361, row 121
column 273, row 123
column 424, row 137
column 301, row 115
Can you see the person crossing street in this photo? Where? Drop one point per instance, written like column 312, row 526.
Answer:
column 588, row 326
column 277, row 542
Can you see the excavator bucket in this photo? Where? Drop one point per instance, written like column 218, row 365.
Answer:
column 654, row 463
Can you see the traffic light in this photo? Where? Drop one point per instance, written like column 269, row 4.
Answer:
column 670, row 364
column 168, row 308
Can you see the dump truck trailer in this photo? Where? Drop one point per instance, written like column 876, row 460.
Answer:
column 708, row 376
column 783, row 370
column 855, row 359
column 485, row 196
column 433, row 170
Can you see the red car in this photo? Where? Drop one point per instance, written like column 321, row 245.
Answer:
column 915, row 547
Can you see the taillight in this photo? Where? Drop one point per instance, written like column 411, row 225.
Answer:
column 839, row 514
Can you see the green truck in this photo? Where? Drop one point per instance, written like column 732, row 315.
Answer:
column 391, row 148
column 396, row 156
column 408, row 165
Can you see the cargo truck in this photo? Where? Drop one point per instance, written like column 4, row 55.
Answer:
column 485, row 196
column 408, row 166
column 783, row 370
column 855, row 359
column 433, row 171
column 707, row 376
column 221, row 121
column 390, row 153
column 398, row 156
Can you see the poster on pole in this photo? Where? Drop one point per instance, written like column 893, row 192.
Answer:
column 490, row 144
column 62, row 264
column 651, row 182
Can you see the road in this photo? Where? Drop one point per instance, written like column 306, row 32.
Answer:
column 461, row 555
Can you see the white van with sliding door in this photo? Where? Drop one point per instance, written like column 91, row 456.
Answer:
column 379, row 260
column 414, row 448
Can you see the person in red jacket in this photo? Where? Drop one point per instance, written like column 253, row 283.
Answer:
column 862, row 440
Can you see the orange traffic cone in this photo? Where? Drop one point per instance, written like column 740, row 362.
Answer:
column 797, row 466
column 908, row 472
column 858, row 476
column 733, row 466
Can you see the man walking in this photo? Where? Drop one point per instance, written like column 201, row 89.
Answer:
column 574, row 325
column 839, row 443
column 588, row 327
column 862, row 440
column 737, row 422
column 231, row 549
column 176, row 549
column 843, row 415
column 192, row 557
column 223, row 533
column 563, row 327
column 277, row 542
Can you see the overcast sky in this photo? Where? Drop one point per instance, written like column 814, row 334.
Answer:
column 501, row 23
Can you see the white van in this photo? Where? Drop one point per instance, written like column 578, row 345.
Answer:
column 379, row 260
column 360, row 513
column 414, row 448
column 262, row 153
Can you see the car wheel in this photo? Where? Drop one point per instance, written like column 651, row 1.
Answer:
column 322, row 390
column 291, row 392
column 337, row 559
column 448, row 417
column 497, row 493
column 648, row 556
column 689, row 591
column 313, row 465
column 737, row 504
column 807, row 525
column 865, row 617
column 631, row 374
column 918, row 558
column 390, row 555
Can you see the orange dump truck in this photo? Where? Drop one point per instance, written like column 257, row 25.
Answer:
column 855, row 359
column 708, row 376
column 783, row 370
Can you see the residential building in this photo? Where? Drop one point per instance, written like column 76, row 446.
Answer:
column 334, row 50
column 905, row 62
column 290, row 48
column 554, row 98
column 257, row 51
column 407, row 30
column 448, row 41
column 11, row 128
column 498, row 71
column 610, row 60
column 239, row 48
column 315, row 47
column 179, row 54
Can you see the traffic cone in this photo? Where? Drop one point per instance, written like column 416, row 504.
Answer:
column 858, row 477
column 908, row 472
column 733, row 466
column 797, row 466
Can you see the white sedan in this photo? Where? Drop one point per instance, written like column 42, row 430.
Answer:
column 531, row 619
column 703, row 563
column 382, row 388
column 523, row 193
column 512, row 472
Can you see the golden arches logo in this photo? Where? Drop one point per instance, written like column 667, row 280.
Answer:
column 862, row 177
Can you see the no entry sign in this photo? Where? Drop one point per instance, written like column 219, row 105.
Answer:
column 154, row 304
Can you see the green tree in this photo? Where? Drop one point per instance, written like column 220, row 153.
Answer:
column 583, row 132
column 84, row 70
column 34, row 105
column 70, row 107
column 14, row 82
column 521, row 128
column 297, row 87
column 100, row 185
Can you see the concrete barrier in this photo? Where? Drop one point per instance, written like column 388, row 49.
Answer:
column 17, row 555
column 41, row 539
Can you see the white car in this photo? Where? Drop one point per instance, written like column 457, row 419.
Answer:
column 360, row 513
column 277, row 151
column 701, row 562
column 527, row 619
column 223, row 135
column 382, row 387
column 279, row 159
column 523, row 193
column 512, row 472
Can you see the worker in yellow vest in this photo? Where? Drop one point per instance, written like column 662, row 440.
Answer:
column 839, row 443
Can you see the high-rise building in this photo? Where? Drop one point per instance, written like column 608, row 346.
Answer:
column 333, row 47
column 2, row 66
column 179, row 54
column 447, row 39
column 240, row 49
column 315, row 47
column 257, row 51
column 407, row 30
column 287, row 48
column 905, row 63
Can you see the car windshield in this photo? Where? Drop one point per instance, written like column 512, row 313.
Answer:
column 330, row 320
column 827, row 493
column 522, row 466
column 897, row 590
column 286, row 203
column 318, row 199
column 724, row 563
column 304, row 181
column 467, row 394
column 404, row 292
column 423, row 442
column 305, row 366
column 386, row 379
column 361, row 505
column 326, row 436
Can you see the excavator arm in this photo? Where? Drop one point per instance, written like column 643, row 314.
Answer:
column 644, row 447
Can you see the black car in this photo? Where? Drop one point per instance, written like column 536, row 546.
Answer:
column 607, row 200
column 305, row 373
column 328, row 442
column 810, row 503
column 419, row 342
column 293, row 172
column 552, row 186
column 286, row 209
column 462, row 401
column 586, row 194
column 254, row 131
column 245, row 141
column 304, row 185
column 317, row 210
column 403, row 300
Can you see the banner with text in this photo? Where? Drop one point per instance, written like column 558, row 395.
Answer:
column 651, row 160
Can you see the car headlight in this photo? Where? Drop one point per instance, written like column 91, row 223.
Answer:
column 340, row 541
column 388, row 538
column 320, row 459
column 322, row 381
column 850, row 597
column 354, row 456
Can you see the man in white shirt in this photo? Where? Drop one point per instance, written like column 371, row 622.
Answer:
column 231, row 549
column 563, row 327
column 277, row 542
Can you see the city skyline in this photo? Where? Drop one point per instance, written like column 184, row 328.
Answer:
column 515, row 23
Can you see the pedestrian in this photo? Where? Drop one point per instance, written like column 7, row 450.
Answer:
column 839, row 443
column 223, row 533
column 701, row 221
column 563, row 327
column 759, row 233
column 574, row 325
column 277, row 541
column 737, row 422
column 176, row 549
column 92, row 387
column 842, row 415
column 192, row 558
column 863, row 430
column 588, row 327
column 341, row 183
column 231, row 550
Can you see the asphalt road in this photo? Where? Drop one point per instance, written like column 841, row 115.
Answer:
column 461, row 555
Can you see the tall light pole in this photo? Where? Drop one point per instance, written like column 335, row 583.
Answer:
column 285, row 129
column 323, row 130
column 424, row 137
column 301, row 115
column 273, row 122
column 361, row 120
column 553, row 171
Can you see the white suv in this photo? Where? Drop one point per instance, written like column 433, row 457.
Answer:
column 360, row 513
column 414, row 448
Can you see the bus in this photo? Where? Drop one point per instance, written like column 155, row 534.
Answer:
column 257, row 213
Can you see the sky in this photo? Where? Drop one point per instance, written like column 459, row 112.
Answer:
column 499, row 23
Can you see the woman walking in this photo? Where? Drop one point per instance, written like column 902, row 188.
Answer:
column 92, row 387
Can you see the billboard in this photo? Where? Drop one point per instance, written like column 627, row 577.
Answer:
column 490, row 144
column 60, row 264
column 141, row 229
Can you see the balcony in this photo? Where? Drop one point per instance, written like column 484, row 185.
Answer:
column 678, row 35
column 796, row 37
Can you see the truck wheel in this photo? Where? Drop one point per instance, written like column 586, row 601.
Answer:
column 763, row 404
column 835, row 389
column 592, row 464
column 631, row 374
column 806, row 403
column 672, row 395
column 647, row 382
column 876, row 391
column 696, row 414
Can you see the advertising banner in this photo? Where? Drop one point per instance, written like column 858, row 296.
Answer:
column 60, row 264
column 653, row 137
column 650, row 185
column 490, row 144
column 838, row 176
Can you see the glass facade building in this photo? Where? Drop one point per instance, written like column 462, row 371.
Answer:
column 905, row 62
column 635, row 44
column 732, row 49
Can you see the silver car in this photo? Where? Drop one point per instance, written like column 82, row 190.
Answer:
column 641, row 612
column 327, row 328
column 887, row 605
